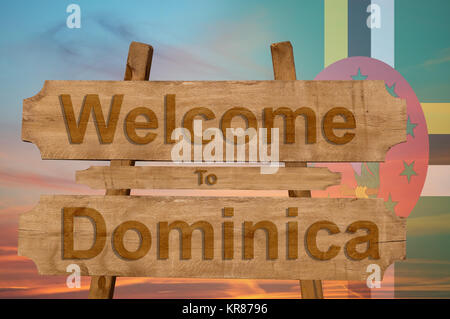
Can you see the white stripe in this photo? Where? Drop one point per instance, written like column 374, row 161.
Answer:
column 383, row 31
column 437, row 182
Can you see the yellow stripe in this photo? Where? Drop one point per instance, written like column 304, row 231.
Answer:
column 336, row 30
column 437, row 116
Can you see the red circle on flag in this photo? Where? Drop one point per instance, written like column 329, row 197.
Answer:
column 400, row 179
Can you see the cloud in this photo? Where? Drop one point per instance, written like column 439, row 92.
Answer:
column 429, row 225
column 123, row 31
column 426, row 261
column 101, row 48
column 19, row 278
column 443, row 56
column 28, row 179
column 240, row 44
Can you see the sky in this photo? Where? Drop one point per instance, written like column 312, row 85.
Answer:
column 196, row 40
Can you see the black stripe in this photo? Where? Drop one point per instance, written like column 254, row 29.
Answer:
column 358, row 31
column 439, row 149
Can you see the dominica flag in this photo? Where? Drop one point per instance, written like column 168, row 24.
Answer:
column 405, row 43
column 379, row 40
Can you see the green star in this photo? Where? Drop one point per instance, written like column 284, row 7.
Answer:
column 391, row 90
column 408, row 171
column 390, row 205
column 410, row 127
column 359, row 76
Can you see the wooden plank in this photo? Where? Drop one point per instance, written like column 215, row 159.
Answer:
column 51, row 118
column 246, row 178
column 137, row 69
column 311, row 289
column 291, row 241
column 283, row 61
column 284, row 69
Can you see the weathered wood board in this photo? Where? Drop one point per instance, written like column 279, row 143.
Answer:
column 167, row 177
column 299, row 237
column 138, row 67
column 284, row 69
column 318, row 121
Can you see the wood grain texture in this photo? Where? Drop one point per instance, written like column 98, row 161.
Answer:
column 311, row 289
column 244, row 178
column 283, row 61
column 102, row 287
column 284, row 69
column 40, row 236
column 380, row 118
column 138, row 67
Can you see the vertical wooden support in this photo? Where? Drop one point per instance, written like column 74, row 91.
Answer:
column 284, row 69
column 138, row 66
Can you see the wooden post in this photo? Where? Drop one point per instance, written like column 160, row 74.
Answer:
column 137, row 69
column 284, row 69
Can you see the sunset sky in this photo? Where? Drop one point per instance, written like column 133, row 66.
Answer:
column 200, row 40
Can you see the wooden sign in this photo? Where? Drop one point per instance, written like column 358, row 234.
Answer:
column 245, row 178
column 210, row 237
column 318, row 121
column 310, row 239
